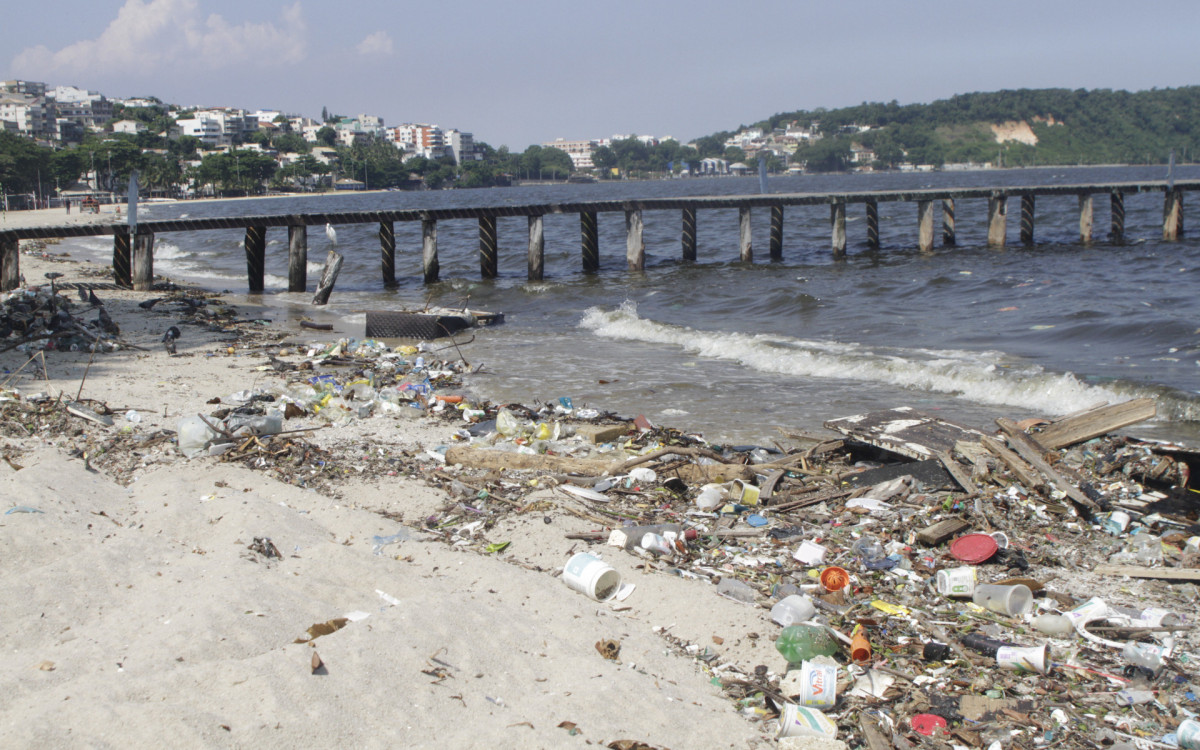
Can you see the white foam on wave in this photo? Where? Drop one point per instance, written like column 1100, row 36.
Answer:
column 980, row 377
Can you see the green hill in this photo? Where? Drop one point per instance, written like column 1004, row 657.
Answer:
column 1025, row 127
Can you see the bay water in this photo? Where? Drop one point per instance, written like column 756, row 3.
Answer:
column 740, row 352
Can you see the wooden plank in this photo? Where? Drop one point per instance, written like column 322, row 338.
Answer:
column 957, row 472
column 333, row 266
column 1021, row 470
column 1097, row 422
column 1032, row 451
column 1139, row 571
column 872, row 736
column 905, row 431
column 142, row 265
column 939, row 532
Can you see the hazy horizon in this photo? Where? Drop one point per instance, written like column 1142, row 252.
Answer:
column 536, row 71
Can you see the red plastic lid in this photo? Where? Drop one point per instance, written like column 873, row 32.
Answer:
column 927, row 723
column 973, row 548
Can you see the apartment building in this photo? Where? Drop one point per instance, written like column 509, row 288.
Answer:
column 419, row 139
column 461, row 146
column 90, row 109
column 579, row 151
column 30, row 116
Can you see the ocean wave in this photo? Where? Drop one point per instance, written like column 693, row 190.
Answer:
column 990, row 377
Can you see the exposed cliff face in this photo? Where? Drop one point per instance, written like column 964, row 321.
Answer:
column 1020, row 132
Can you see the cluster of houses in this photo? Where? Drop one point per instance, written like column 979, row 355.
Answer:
column 62, row 115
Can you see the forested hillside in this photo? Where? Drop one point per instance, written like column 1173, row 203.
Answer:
column 1070, row 127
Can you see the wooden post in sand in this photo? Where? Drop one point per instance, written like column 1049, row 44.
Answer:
column 1116, row 232
column 429, row 253
column 925, row 226
column 10, row 268
column 635, row 246
column 872, row 223
column 1085, row 218
column 142, row 267
column 256, row 258
column 122, row 273
column 489, row 244
column 387, row 253
column 949, row 236
column 837, row 223
column 1173, row 215
column 777, row 233
column 745, row 238
column 537, row 248
column 997, row 220
column 589, row 241
column 688, row 236
column 297, row 256
column 1028, row 209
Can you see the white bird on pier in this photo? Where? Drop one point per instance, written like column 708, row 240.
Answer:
column 331, row 233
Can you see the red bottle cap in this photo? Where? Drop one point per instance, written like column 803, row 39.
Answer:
column 973, row 548
column 927, row 723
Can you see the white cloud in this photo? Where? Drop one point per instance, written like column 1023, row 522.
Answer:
column 377, row 44
column 149, row 34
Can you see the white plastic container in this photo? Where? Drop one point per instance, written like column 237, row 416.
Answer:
column 818, row 685
column 1022, row 657
column 591, row 576
column 793, row 609
column 957, row 582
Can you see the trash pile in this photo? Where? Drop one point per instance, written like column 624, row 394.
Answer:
column 909, row 564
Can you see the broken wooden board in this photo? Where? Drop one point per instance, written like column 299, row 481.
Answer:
column 982, row 708
column 83, row 412
column 1141, row 571
column 957, row 472
column 905, row 430
column 1035, row 453
column 934, row 535
column 1096, row 422
column 1021, row 470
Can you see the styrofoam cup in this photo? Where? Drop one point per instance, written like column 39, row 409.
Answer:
column 1022, row 657
column 958, row 582
column 799, row 721
column 1006, row 600
column 591, row 576
column 793, row 609
column 818, row 685
column 809, row 553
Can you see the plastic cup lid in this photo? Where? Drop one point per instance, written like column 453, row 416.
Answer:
column 973, row 548
column 834, row 578
column 927, row 723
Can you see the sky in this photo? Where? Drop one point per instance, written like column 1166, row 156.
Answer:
column 521, row 73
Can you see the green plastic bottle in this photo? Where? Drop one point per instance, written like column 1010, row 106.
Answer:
column 800, row 642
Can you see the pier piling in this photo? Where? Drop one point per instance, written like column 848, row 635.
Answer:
column 298, row 255
column 122, row 258
column 1172, row 214
column 997, row 220
column 776, row 233
column 1028, row 209
column 745, row 238
column 429, row 250
column 589, row 236
column 489, row 243
column 925, row 226
column 537, row 248
column 688, row 236
column 142, row 267
column 837, row 221
column 635, row 246
column 1116, row 232
column 872, row 223
column 1085, row 218
column 949, row 237
column 256, row 258
column 387, row 253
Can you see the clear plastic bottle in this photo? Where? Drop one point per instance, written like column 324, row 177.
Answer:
column 1145, row 655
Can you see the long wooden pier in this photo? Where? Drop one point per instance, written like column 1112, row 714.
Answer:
column 133, row 251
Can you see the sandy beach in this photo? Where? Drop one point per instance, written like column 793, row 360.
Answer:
column 135, row 614
column 144, row 602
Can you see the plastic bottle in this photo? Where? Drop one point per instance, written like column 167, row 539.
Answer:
column 1053, row 624
column 735, row 589
column 798, row 643
column 656, row 543
column 635, row 534
column 1146, row 655
column 1134, row 697
column 793, row 609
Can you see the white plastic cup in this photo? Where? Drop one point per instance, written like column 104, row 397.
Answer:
column 793, row 609
column 1060, row 625
column 711, row 495
column 957, row 582
column 799, row 721
column 1188, row 734
column 747, row 492
column 591, row 576
column 1022, row 657
column 1093, row 609
column 656, row 543
column 1005, row 600
column 1155, row 617
column 818, row 685
column 1001, row 539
